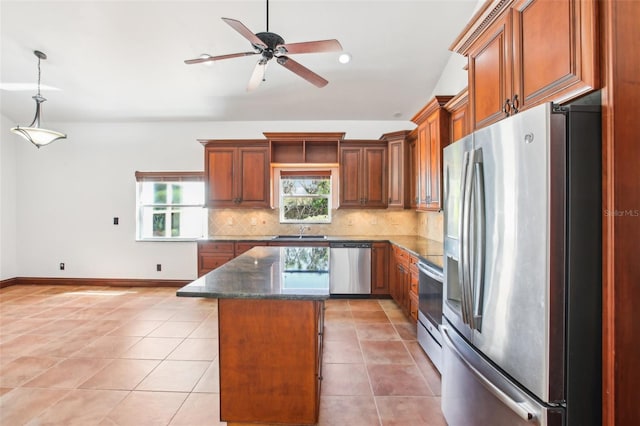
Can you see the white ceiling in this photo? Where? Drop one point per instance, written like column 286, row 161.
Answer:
column 123, row 60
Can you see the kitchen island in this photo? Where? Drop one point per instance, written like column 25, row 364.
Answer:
column 270, row 324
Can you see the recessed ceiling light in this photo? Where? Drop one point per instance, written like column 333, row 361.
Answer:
column 344, row 58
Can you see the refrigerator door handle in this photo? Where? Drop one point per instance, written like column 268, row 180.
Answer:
column 522, row 409
column 462, row 238
column 467, row 243
column 479, row 254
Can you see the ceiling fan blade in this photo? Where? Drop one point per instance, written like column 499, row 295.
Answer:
column 217, row 58
column 332, row 45
column 302, row 71
column 245, row 32
column 257, row 75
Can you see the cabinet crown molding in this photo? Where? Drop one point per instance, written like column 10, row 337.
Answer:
column 392, row 136
column 433, row 105
column 306, row 136
column 484, row 17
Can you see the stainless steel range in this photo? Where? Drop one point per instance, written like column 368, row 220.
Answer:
column 430, row 312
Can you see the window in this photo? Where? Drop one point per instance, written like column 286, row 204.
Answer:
column 305, row 197
column 170, row 205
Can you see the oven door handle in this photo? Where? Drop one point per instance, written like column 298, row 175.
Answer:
column 429, row 272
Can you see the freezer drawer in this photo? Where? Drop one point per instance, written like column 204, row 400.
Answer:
column 474, row 393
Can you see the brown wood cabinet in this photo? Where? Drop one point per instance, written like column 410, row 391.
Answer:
column 212, row 254
column 380, row 268
column 458, row 108
column 432, row 137
column 403, row 281
column 414, row 177
column 363, row 174
column 243, row 246
column 399, row 169
column 237, row 174
column 296, row 148
column 525, row 52
column 270, row 360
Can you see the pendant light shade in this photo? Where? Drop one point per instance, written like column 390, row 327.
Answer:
column 34, row 133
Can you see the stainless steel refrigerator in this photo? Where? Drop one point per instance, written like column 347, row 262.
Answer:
column 522, row 271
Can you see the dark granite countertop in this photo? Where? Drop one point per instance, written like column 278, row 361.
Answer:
column 428, row 250
column 296, row 273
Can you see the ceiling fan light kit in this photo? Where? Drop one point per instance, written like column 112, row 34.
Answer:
column 269, row 45
column 34, row 133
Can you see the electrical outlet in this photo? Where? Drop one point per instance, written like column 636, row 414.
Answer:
column 159, row 267
column 254, row 221
column 116, row 220
column 229, row 221
column 62, row 266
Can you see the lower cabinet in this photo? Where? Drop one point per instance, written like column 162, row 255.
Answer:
column 212, row 254
column 380, row 268
column 403, row 281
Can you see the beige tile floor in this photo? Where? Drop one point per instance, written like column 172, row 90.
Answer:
column 142, row 356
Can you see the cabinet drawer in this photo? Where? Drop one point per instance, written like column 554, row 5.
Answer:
column 216, row 247
column 241, row 247
column 212, row 261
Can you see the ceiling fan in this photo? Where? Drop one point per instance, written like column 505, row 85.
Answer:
column 270, row 45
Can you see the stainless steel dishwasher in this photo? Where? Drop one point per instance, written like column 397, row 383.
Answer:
column 349, row 268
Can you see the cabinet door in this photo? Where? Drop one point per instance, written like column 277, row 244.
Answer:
column 219, row 172
column 414, row 174
column 374, row 178
column 380, row 268
column 396, row 174
column 490, row 72
column 554, row 50
column 253, row 177
column 424, row 162
column 350, row 175
column 438, row 133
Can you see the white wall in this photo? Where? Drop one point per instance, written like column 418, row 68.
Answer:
column 69, row 192
column 8, row 223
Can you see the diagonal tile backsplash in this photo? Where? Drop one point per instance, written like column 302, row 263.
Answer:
column 260, row 222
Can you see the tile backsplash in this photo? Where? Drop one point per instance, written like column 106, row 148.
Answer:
column 259, row 222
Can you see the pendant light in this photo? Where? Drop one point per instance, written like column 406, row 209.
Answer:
column 34, row 133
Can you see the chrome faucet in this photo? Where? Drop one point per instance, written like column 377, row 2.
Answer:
column 303, row 228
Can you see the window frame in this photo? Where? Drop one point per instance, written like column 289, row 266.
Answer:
column 168, row 178
column 321, row 173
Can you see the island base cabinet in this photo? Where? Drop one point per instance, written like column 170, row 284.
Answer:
column 270, row 355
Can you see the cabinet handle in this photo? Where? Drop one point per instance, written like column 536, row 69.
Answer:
column 511, row 106
column 515, row 102
column 506, row 108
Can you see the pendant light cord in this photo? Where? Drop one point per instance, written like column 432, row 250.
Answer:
column 39, row 77
column 267, row 15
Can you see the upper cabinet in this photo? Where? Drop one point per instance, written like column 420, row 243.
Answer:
column 236, row 174
column 298, row 148
column 432, row 137
column 363, row 174
column 458, row 108
column 399, row 169
column 525, row 52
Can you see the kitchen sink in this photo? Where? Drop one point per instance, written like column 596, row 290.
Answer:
column 300, row 237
